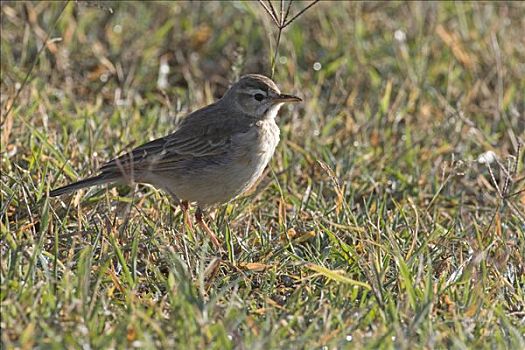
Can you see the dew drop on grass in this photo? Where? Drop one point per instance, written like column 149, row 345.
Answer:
column 164, row 68
column 400, row 35
column 487, row 157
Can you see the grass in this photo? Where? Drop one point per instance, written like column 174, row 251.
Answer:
column 377, row 224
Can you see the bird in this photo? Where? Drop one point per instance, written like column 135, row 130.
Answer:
column 217, row 152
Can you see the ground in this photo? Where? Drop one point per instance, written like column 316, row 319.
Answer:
column 391, row 216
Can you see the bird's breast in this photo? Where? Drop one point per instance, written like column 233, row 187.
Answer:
column 259, row 143
column 254, row 149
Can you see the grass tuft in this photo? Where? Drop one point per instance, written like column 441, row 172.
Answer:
column 391, row 215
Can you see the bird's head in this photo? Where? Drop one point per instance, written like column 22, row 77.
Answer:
column 257, row 96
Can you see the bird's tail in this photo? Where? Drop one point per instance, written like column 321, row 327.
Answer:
column 92, row 181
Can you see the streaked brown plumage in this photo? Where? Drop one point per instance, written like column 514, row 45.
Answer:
column 217, row 152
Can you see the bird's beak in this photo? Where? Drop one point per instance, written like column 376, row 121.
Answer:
column 286, row 98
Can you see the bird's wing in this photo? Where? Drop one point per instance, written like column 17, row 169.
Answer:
column 203, row 133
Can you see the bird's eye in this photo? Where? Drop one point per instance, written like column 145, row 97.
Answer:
column 258, row 97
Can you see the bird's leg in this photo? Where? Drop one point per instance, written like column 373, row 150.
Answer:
column 185, row 206
column 202, row 224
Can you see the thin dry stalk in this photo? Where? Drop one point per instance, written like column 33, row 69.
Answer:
column 281, row 21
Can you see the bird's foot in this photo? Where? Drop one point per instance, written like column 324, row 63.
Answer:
column 185, row 206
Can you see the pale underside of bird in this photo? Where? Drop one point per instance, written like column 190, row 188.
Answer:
column 217, row 153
